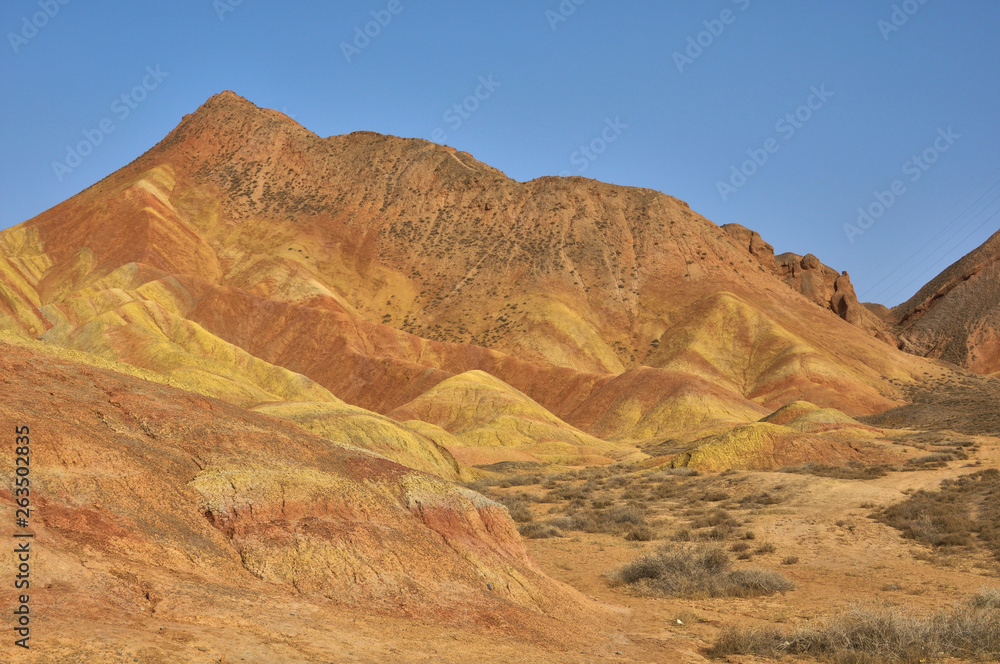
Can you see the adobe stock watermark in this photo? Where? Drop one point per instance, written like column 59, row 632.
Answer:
column 588, row 154
column 786, row 126
column 457, row 114
column 914, row 168
column 31, row 25
column 562, row 13
column 223, row 7
column 372, row 29
column 899, row 17
column 121, row 107
column 714, row 28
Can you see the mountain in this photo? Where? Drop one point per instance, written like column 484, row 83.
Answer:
column 956, row 316
column 253, row 261
column 260, row 363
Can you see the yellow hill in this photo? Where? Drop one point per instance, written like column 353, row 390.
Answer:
column 646, row 405
column 484, row 413
column 729, row 341
column 765, row 446
column 350, row 425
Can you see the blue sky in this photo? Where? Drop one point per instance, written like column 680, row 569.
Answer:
column 823, row 106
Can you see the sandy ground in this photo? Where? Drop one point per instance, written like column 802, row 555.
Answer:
column 844, row 557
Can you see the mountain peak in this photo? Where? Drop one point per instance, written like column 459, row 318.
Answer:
column 228, row 104
column 229, row 96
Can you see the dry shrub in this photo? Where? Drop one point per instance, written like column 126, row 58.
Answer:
column 702, row 571
column 641, row 534
column 565, row 493
column 616, row 519
column 929, row 461
column 538, row 530
column 517, row 507
column 718, row 533
column 862, row 635
column 666, row 473
column 715, row 519
column 520, row 480
column 760, row 498
column 633, row 493
column 665, row 490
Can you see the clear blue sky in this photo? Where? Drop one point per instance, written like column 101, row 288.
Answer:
column 681, row 125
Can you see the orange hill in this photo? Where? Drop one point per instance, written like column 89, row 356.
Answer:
column 246, row 258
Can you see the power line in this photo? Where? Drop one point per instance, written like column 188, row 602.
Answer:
column 868, row 292
column 945, row 254
column 938, row 252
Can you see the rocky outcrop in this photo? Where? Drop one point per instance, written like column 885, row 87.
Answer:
column 828, row 288
column 753, row 243
column 817, row 282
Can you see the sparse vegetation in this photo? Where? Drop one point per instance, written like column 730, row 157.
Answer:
column 535, row 530
column 936, row 460
column 854, row 470
column 867, row 635
column 969, row 404
column 760, row 498
column 641, row 534
column 702, row 571
column 963, row 512
column 617, row 519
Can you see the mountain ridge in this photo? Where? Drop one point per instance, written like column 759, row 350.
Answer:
column 415, row 262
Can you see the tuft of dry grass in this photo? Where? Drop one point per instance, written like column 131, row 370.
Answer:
column 614, row 519
column 641, row 534
column 535, row 530
column 702, row 571
column 866, row 635
column 760, row 498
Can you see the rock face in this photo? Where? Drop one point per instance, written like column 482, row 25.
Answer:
column 754, row 243
column 817, row 282
column 156, row 506
column 956, row 316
